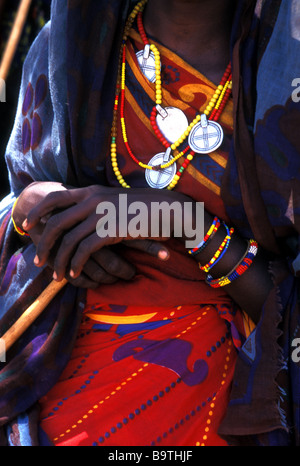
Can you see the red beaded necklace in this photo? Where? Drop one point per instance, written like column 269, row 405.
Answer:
column 217, row 111
column 213, row 111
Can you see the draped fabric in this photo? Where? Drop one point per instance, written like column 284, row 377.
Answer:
column 62, row 132
column 264, row 160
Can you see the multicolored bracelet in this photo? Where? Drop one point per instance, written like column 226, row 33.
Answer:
column 207, row 238
column 17, row 229
column 220, row 251
column 238, row 270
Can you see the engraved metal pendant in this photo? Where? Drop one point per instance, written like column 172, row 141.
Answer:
column 171, row 122
column 206, row 136
column 160, row 178
column 146, row 60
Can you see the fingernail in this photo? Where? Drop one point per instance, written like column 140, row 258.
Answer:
column 72, row 273
column 25, row 224
column 36, row 260
column 54, row 276
column 163, row 254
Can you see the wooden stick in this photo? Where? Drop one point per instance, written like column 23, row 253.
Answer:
column 31, row 314
column 14, row 38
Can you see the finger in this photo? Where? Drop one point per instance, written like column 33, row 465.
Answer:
column 68, row 245
column 113, row 264
column 56, row 228
column 83, row 281
column 51, row 202
column 97, row 274
column 154, row 248
column 86, row 248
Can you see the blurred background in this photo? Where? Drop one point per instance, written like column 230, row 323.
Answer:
column 36, row 17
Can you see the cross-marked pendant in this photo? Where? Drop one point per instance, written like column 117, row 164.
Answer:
column 206, row 136
column 160, row 178
column 146, row 60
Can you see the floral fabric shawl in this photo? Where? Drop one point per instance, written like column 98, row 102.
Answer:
column 64, row 117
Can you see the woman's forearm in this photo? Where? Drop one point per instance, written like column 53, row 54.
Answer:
column 249, row 290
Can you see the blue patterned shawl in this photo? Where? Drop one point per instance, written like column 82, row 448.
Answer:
column 64, row 117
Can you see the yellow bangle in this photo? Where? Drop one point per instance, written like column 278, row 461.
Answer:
column 17, row 229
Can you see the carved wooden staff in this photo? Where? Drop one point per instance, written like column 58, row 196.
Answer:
column 14, row 38
column 31, row 314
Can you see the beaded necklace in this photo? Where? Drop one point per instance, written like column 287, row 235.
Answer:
column 161, row 171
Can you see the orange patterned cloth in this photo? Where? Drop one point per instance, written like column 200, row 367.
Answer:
column 142, row 376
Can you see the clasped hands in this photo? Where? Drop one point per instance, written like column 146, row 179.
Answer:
column 62, row 223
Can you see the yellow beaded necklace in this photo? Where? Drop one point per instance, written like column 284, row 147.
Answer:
column 213, row 109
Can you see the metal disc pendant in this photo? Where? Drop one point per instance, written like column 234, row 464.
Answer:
column 206, row 136
column 146, row 60
column 171, row 122
column 160, row 178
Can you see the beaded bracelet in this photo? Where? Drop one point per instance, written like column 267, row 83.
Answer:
column 220, row 251
column 17, row 229
column 238, row 270
column 207, row 238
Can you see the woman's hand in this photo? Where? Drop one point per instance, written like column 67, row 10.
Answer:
column 104, row 266
column 74, row 226
column 31, row 196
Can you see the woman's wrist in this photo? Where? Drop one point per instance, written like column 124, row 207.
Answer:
column 29, row 197
column 241, row 267
column 232, row 255
column 18, row 214
column 16, row 220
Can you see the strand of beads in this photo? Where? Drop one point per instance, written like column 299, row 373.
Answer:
column 217, row 97
column 215, row 107
column 220, row 97
column 113, row 149
column 124, row 132
column 220, row 251
column 243, row 265
column 207, row 238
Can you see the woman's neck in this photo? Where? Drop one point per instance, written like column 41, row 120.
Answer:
column 197, row 30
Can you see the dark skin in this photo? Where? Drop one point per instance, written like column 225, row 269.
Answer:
column 197, row 30
column 67, row 240
column 103, row 266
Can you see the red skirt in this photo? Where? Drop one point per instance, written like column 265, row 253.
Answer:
column 146, row 377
